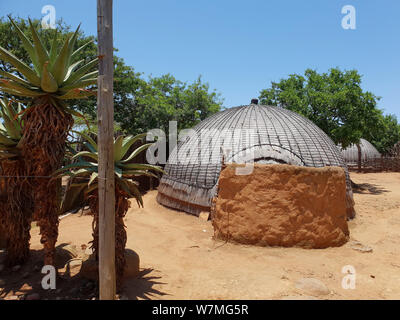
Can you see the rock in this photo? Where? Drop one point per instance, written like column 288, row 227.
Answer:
column 89, row 269
column 12, row 298
column 132, row 263
column 312, row 286
column 16, row 268
column 2, row 283
column 33, row 296
column 356, row 245
column 64, row 253
column 204, row 216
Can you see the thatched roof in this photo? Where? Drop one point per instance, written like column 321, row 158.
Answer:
column 368, row 152
column 276, row 135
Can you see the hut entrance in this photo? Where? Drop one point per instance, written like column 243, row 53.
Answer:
column 266, row 154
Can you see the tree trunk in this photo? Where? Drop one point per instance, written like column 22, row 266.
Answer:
column 45, row 134
column 16, row 213
column 122, row 205
column 359, row 157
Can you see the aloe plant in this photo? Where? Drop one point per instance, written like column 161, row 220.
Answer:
column 52, row 77
column 16, row 206
column 84, row 173
column 10, row 129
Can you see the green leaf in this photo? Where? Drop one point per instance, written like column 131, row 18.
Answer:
column 88, row 154
column 93, row 177
column 77, row 94
column 53, row 50
column 118, row 148
column 139, row 166
column 41, row 53
column 128, row 142
column 77, row 75
column 79, row 85
column 23, row 91
column 136, row 152
column 88, row 139
column 27, row 72
column 79, row 50
column 15, row 78
column 48, row 84
column 60, row 69
column 27, row 44
column 72, row 68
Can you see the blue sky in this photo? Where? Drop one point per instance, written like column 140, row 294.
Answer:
column 239, row 47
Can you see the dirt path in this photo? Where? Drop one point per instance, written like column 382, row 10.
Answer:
column 180, row 260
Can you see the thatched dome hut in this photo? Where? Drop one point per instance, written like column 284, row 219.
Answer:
column 263, row 134
column 368, row 152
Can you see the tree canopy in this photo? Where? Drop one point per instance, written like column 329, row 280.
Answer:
column 337, row 104
column 140, row 104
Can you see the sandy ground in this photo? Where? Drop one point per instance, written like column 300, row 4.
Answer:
column 180, row 260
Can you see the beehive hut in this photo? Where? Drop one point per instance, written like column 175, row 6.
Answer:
column 263, row 134
column 368, row 152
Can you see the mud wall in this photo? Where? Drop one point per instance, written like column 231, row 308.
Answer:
column 282, row 205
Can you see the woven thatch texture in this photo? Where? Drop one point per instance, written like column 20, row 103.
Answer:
column 268, row 135
column 368, row 152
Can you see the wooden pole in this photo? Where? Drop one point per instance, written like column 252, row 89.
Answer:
column 105, row 116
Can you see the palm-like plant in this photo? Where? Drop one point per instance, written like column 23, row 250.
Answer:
column 52, row 77
column 85, row 175
column 16, row 209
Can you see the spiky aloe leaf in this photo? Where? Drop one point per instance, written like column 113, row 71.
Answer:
column 14, row 77
column 77, row 94
column 27, row 44
column 139, row 166
column 81, row 72
column 80, row 49
column 79, row 85
column 136, row 152
column 88, row 154
column 41, row 52
column 27, row 72
column 12, row 85
column 72, row 68
column 118, row 147
column 59, row 69
column 128, row 142
column 48, row 84
column 53, row 49
column 88, row 139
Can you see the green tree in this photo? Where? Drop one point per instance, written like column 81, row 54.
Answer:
column 334, row 101
column 163, row 99
column 388, row 135
column 140, row 104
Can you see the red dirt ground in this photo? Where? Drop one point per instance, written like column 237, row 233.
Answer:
column 180, row 260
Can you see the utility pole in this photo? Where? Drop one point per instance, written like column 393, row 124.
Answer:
column 105, row 118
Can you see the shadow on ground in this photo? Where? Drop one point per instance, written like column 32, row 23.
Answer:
column 25, row 281
column 368, row 188
column 143, row 286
